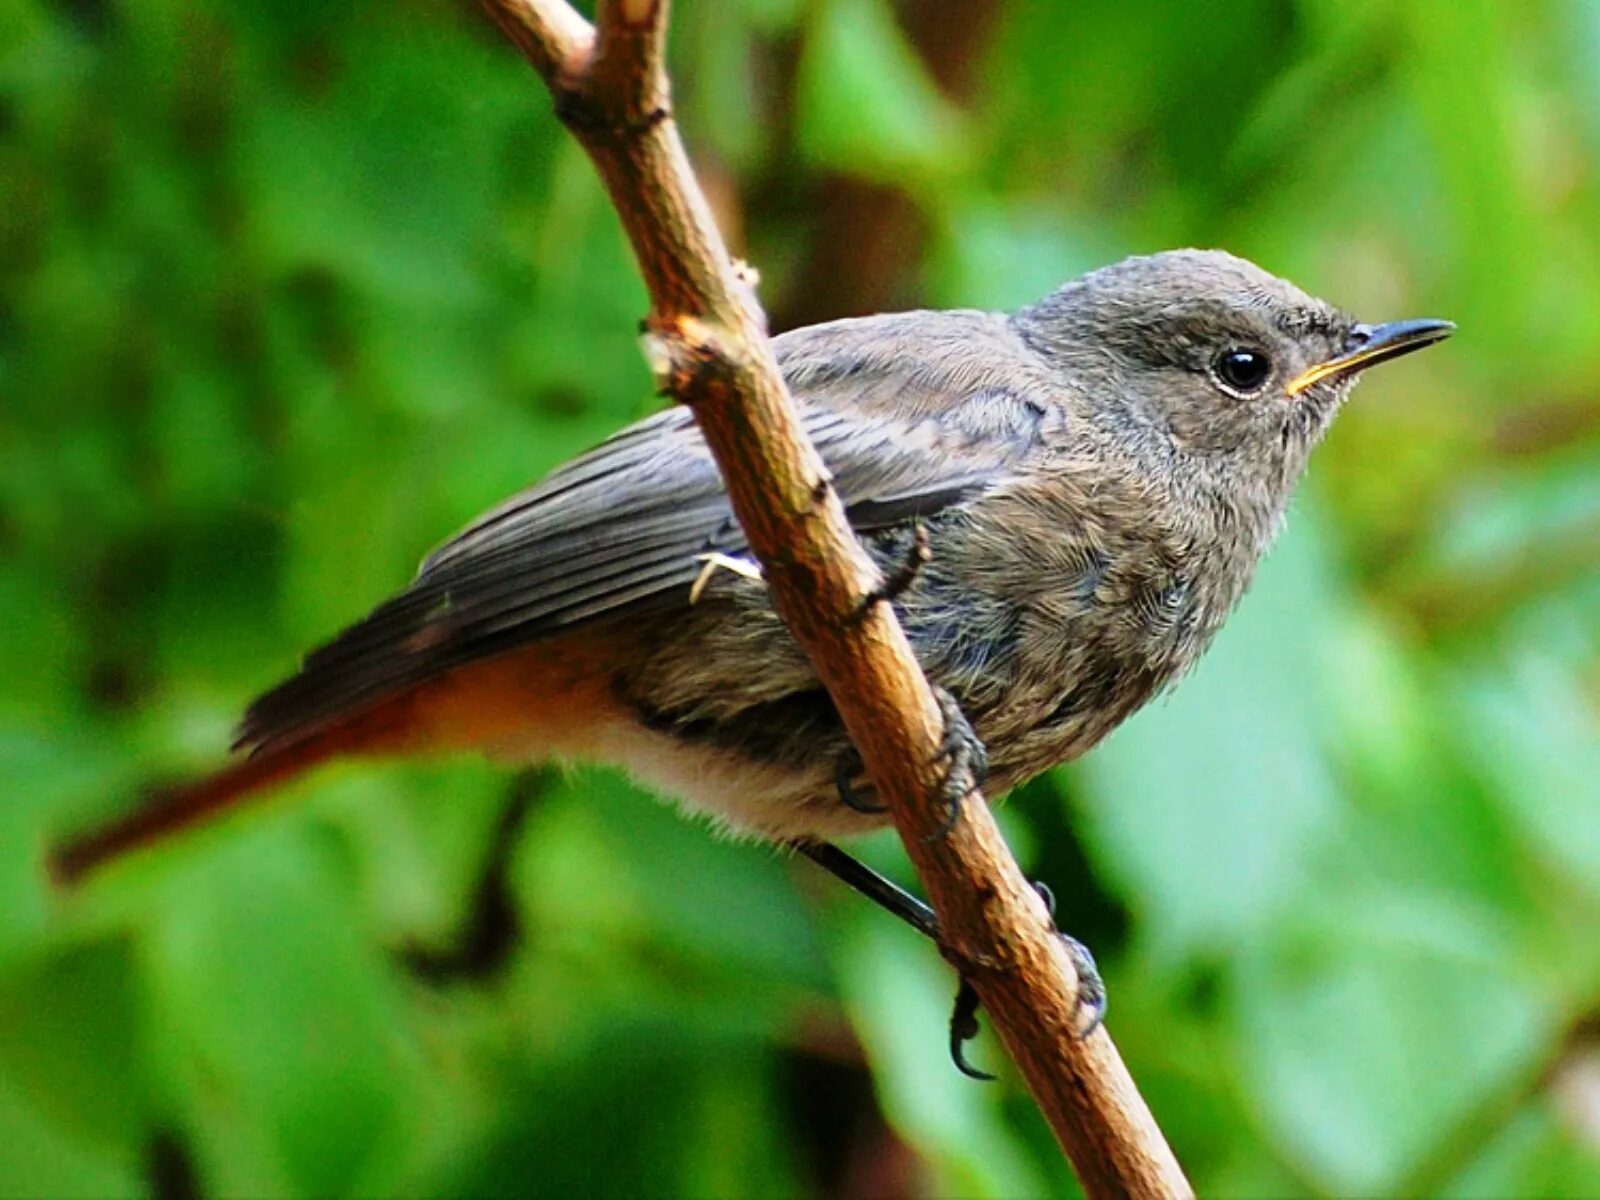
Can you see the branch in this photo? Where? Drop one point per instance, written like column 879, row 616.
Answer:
column 706, row 340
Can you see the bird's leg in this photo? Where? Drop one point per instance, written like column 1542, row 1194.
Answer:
column 898, row 902
column 882, row 891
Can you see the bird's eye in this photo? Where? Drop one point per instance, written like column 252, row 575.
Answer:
column 1241, row 370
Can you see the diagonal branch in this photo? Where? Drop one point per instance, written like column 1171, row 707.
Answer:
column 706, row 340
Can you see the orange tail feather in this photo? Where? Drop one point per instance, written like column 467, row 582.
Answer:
column 551, row 690
column 186, row 805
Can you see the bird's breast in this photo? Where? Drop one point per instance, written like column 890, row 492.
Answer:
column 1055, row 613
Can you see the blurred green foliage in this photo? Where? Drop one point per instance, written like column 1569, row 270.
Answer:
column 289, row 291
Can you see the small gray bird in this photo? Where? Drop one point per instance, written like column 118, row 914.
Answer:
column 1096, row 475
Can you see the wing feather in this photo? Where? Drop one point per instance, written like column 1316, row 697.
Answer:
column 619, row 529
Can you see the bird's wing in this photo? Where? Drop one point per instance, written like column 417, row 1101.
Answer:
column 622, row 528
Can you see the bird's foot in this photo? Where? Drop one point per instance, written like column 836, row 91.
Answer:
column 968, row 761
column 960, row 747
column 850, row 796
column 964, row 1028
column 1090, row 1005
column 899, row 903
column 895, row 584
column 1091, row 988
column 1090, row 1013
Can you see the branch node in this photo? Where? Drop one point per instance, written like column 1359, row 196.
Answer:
column 637, row 12
column 572, row 108
column 746, row 280
column 687, row 355
column 658, row 356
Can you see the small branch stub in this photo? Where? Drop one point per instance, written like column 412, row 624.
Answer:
column 686, row 356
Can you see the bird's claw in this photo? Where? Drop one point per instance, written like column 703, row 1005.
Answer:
column 963, row 1028
column 896, row 583
column 1091, row 988
column 959, row 746
column 849, row 795
column 1091, row 1000
column 1090, row 1004
column 968, row 761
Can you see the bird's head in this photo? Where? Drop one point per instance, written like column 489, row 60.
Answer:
column 1207, row 356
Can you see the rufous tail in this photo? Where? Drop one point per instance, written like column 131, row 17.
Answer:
column 168, row 812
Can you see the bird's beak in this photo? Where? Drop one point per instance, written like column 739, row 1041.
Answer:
column 1371, row 344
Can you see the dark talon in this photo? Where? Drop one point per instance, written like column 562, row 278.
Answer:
column 849, row 796
column 968, row 759
column 895, row 584
column 1091, row 988
column 952, row 818
column 1047, row 896
column 900, row 903
column 963, row 1028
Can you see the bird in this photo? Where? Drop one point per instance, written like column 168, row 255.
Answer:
column 1094, row 476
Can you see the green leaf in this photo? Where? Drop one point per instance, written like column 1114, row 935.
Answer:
column 1001, row 256
column 38, row 1159
column 387, row 179
column 1535, row 1153
column 1534, row 738
column 69, row 1023
column 866, row 107
column 614, row 863
column 1364, row 1044
column 275, row 1014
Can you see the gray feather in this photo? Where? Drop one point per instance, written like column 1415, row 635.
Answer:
column 904, row 422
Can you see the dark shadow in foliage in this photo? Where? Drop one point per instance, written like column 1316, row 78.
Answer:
column 169, row 1167
column 90, row 18
column 840, row 1132
column 619, row 1111
column 1084, row 909
column 483, row 945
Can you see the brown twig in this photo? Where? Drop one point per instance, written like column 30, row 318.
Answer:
column 707, row 344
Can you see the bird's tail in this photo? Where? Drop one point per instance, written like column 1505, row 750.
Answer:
column 168, row 812
column 481, row 706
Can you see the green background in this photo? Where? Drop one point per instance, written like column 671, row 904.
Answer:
column 290, row 291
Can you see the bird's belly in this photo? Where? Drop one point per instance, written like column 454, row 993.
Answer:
column 742, row 796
